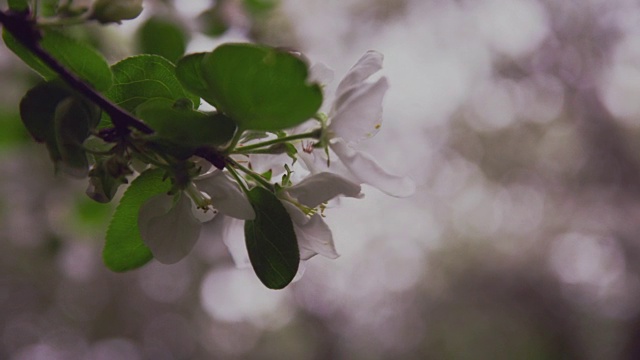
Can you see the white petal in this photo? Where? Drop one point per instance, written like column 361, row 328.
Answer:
column 322, row 187
column 172, row 235
column 226, row 196
column 367, row 170
column 231, row 232
column 152, row 208
column 234, row 239
column 358, row 113
column 302, row 267
column 320, row 73
column 369, row 63
column 313, row 234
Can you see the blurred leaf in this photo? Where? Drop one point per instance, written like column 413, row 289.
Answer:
column 259, row 87
column 124, row 249
column 109, row 11
column 185, row 126
column 13, row 131
column 260, row 6
column 143, row 77
column 271, row 240
column 89, row 215
column 213, row 22
column 162, row 37
column 18, row 5
column 76, row 56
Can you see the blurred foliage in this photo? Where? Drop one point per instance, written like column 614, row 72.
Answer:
column 521, row 244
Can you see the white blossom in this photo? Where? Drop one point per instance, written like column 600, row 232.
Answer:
column 170, row 230
column 356, row 115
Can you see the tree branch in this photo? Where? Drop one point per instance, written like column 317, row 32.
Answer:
column 24, row 29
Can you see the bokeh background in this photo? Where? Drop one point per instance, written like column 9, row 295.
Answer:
column 519, row 120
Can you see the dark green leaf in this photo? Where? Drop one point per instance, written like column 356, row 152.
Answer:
column 73, row 120
column 162, row 37
column 271, row 240
column 143, row 77
column 38, row 107
column 37, row 110
column 189, row 72
column 259, row 87
column 76, row 56
column 124, row 249
column 54, row 115
column 186, row 127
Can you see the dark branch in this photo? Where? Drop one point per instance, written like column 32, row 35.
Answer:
column 24, row 29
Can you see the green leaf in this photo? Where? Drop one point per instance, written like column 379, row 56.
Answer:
column 124, row 249
column 271, row 240
column 18, row 5
column 38, row 107
column 74, row 55
column 190, row 74
column 162, row 37
column 27, row 56
column 56, row 116
column 74, row 118
column 185, row 126
column 143, row 77
column 259, row 87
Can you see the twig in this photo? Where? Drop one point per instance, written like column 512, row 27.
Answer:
column 24, row 29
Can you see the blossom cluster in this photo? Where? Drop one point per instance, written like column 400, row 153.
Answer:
column 310, row 173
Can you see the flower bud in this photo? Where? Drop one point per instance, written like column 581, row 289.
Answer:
column 107, row 11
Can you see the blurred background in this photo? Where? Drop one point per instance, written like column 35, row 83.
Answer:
column 519, row 120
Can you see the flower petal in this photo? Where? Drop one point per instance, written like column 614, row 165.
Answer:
column 226, row 196
column 230, row 231
column 313, row 234
column 369, row 64
column 367, row 171
column 320, row 73
column 234, row 240
column 358, row 113
column 322, row 187
column 172, row 235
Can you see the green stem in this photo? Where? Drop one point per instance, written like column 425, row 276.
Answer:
column 196, row 196
column 235, row 140
column 249, row 148
column 236, row 176
column 259, row 179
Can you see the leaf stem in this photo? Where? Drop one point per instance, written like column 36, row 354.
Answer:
column 250, row 148
column 236, row 176
column 259, row 179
